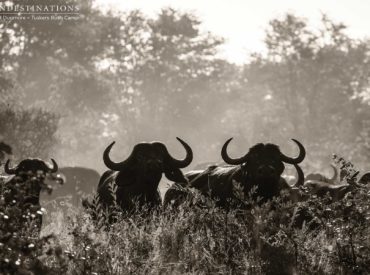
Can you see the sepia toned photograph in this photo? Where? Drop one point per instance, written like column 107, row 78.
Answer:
column 184, row 137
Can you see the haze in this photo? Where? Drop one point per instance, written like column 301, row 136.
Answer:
column 159, row 75
column 243, row 22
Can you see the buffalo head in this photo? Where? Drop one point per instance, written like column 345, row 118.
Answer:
column 150, row 160
column 137, row 177
column 264, row 163
column 31, row 166
column 27, row 169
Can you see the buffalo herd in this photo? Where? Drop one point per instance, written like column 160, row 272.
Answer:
column 131, row 185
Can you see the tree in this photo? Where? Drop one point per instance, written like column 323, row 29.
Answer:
column 117, row 75
column 313, row 80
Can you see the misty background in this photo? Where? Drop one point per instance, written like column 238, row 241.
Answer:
column 70, row 88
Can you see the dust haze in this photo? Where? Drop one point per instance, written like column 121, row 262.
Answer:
column 128, row 76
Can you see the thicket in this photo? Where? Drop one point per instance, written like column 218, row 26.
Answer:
column 198, row 238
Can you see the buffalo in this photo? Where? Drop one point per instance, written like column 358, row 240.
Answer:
column 135, row 181
column 322, row 178
column 22, row 189
column 260, row 169
column 314, row 188
column 320, row 189
column 79, row 182
column 320, row 186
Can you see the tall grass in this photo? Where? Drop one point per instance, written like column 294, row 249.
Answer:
column 199, row 238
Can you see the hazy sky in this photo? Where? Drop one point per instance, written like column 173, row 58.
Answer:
column 242, row 22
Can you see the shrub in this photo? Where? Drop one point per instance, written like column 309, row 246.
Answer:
column 200, row 238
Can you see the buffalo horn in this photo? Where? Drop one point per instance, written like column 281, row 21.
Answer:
column 8, row 170
column 113, row 165
column 300, row 176
column 335, row 176
column 229, row 160
column 53, row 169
column 188, row 158
column 300, row 158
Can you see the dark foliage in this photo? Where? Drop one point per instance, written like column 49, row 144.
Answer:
column 21, row 248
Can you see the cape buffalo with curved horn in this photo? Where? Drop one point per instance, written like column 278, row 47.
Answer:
column 322, row 178
column 322, row 188
column 137, row 178
column 22, row 190
column 79, row 182
column 260, row 168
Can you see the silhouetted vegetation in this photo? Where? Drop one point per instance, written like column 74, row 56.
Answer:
column 130, row 77
column 200, row 238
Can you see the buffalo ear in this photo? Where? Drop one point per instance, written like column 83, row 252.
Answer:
column 175, row 175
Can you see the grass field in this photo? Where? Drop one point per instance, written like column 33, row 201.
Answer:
column 198, row 238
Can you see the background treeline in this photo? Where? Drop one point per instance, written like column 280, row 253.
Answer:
column 67, row 89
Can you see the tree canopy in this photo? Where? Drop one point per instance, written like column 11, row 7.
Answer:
column 130, row 77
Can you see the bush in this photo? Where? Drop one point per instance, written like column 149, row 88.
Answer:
column 200, row 238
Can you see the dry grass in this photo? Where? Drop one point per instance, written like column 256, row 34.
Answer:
column 200, row 239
